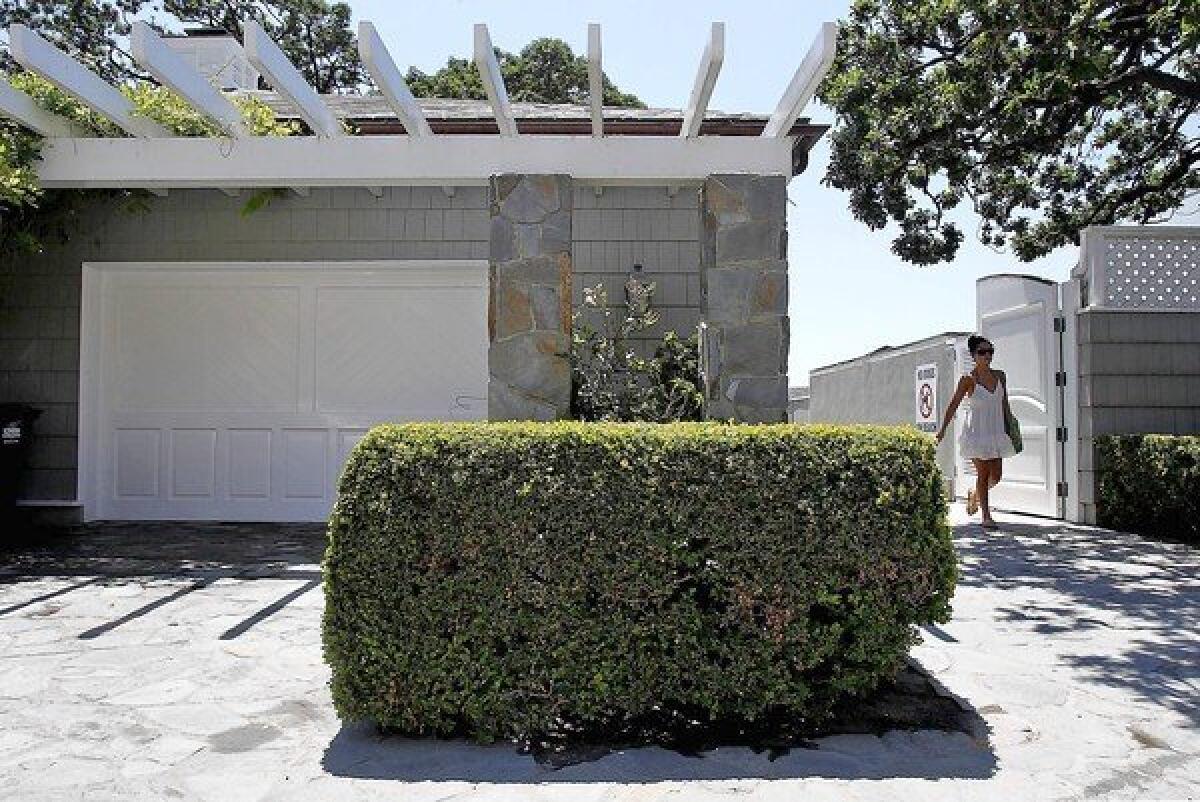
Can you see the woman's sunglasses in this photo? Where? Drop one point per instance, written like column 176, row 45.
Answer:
column 985, row 352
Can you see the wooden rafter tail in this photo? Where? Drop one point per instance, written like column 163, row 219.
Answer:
column 595, row 61
column 493, row 81
column 269, row 60
column 21, row 108
column 706, row 79
column 391, row 83
column 173, row 72
column 37, row 55
column 805, row 82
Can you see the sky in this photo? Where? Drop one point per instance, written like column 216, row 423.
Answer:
column 848, row 293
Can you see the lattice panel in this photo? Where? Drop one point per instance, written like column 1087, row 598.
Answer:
column 1153, row 272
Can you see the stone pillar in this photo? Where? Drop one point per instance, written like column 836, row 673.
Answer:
column 529, row 297
column 743, row 279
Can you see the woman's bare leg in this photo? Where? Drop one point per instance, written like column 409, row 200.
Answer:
column 997, row 471
column 992, row 471
column 982, row 472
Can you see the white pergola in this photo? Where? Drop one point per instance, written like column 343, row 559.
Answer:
column 151, row 158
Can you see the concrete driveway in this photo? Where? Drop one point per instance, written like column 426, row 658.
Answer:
column 184, row 662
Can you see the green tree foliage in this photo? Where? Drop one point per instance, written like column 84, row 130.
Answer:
column 545, row 71
column 315, row 34
column 1046, row 116
column 93, row 32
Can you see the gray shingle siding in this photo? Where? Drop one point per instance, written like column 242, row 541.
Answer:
column 624, row 226
column 1139, row 373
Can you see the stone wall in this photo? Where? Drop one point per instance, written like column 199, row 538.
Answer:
column 529, row 299
column 744, row 296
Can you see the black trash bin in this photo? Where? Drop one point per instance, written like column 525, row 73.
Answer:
column 16, row 433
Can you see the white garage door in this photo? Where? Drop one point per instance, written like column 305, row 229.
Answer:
column 236, row 391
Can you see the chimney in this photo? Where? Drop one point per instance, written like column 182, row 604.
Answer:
column 217, row 56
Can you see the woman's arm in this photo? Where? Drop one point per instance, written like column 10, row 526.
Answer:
column 964, row 384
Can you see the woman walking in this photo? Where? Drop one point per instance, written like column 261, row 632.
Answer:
column 984, row 438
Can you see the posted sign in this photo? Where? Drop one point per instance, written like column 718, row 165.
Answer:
column 926, row 398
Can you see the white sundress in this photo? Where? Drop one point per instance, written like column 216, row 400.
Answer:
column 983, row 435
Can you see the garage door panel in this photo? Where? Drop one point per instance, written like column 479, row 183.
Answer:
column 183, row 347
column 249, row 463
column 136, row 459
column 237, row 392
column 388, row 347
column 193, row 459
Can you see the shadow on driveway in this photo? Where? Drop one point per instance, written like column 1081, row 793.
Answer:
column 140, row 552
column 1141, row 595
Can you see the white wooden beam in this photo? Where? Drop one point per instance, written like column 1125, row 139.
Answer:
column 399, row 159
column 37, row 55
column 595, row 59
column 493, row 81
column 21, row 108
column 173, row 72
column 391, row 83
column 268, row 59
column 805, row 82
column 706, row 79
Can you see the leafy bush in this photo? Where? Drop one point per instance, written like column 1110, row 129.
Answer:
column 609, row 382
column 1149, row 484
column 520, row 581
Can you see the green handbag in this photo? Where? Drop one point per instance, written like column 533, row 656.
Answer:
column 1013, row 427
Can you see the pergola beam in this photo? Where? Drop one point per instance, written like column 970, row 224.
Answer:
column 493, row 81
column 21, row 108
column 391, row 83
column 173, row 72
column 595, row 62
column 37, row 55
column 268, row 59
column 805, row 82
column 398, row 159
column 706, row 79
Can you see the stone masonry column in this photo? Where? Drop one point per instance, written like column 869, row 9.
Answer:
column 529, row 297
column 743, row 280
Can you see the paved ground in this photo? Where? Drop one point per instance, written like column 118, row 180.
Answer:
column 161, row 663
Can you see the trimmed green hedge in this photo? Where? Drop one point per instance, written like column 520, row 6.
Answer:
column 1149, row 484
column 512, row 580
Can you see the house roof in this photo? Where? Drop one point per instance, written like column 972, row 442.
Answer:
column 372, row 114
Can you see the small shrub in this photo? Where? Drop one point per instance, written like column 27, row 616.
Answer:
column 517, row 581
column 609, row 382
column 1149, row 484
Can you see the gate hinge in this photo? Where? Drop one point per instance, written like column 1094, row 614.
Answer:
column 1060, row 434
column 1060, row 379
column 1062, row 490
column 1060, row 323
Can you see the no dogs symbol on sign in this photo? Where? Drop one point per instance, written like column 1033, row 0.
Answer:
column 926, row 398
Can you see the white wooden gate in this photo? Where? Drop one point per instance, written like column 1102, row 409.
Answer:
column 1020, row 315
